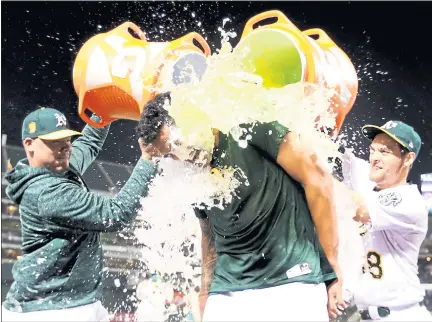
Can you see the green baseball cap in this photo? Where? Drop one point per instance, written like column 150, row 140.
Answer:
column 402, row 133
column 46, row 124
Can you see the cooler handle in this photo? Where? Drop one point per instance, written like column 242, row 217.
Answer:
column 281, row 18
column 189, row 38
column 124, row 28
column 104, row 122
column 200, row 39
column 81, row 112
column 322, row 35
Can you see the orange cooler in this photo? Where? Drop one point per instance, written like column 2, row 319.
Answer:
column 281, row 54
column 115, row 74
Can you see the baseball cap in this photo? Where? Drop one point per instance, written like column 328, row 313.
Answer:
column 46, row 124
column 399, row 131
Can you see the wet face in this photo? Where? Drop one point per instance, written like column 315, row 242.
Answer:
column 51, row 154
column 389, row 163
column 163, row 142
column 181, row 150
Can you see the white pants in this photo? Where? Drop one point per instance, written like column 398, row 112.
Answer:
column 288, row 302
column 407, row 313
column 85, row 313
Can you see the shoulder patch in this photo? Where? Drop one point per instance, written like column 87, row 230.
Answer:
column 390, row 198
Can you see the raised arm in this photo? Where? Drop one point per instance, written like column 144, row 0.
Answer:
column 208, row 261
column 402, row 210
column 87, row 147
column 356, row 173
column 68, row 205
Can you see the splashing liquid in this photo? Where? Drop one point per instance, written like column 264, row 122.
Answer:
column 169, row 228
column 226, row 96
column 223, row 99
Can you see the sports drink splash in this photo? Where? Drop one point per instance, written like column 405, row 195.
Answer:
column 276, row 73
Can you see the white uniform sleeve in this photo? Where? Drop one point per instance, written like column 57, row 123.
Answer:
column 356, row 173
column 396, row 209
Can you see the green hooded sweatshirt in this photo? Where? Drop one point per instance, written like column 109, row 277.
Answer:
column 61, row 221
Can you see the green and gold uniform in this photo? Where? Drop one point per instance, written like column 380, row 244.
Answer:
column 61, row 222
column 267, row 229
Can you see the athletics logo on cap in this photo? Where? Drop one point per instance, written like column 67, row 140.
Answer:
column 401, row 132
column 46, row 124
column 61, row 120
column 389, row 125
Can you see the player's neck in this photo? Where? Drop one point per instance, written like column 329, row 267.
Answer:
column 386, row 185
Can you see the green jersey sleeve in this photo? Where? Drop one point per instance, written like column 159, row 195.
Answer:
column 86, row 148
column 69, row 206
column 267, row 137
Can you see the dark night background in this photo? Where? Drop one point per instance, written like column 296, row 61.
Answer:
column 387, row 42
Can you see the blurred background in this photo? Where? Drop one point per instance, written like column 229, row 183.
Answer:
column 385, row 41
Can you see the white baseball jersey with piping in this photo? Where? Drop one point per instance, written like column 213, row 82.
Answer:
column 399, row 222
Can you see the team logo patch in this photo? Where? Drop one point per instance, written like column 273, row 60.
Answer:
column 299, row 270
column 32, row 127
column 390, row 199
column 389, row 125
column 61, row 120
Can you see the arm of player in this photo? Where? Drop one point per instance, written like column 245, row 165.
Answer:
column 355, row 172
column 388, row 210
column 87, row 147
column 67, row 205
column 208, row 260
column 358, row 200
column 302, row 164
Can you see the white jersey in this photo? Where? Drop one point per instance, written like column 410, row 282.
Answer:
column 399, row 222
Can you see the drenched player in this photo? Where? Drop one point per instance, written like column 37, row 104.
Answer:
column 397, row 217
column 272, row 253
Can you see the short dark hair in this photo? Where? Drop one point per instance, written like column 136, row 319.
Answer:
column 153, row 117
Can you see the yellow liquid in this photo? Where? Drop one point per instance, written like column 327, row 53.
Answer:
column 225, row 97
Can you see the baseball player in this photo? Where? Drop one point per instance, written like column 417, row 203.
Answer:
column 59, row 275
column 270, row 254
column 397, row 220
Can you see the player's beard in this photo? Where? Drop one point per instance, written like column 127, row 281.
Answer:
column 384, row 177
column 377, row 175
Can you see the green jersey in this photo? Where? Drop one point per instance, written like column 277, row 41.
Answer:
column 61, row 220
column 265, row 237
